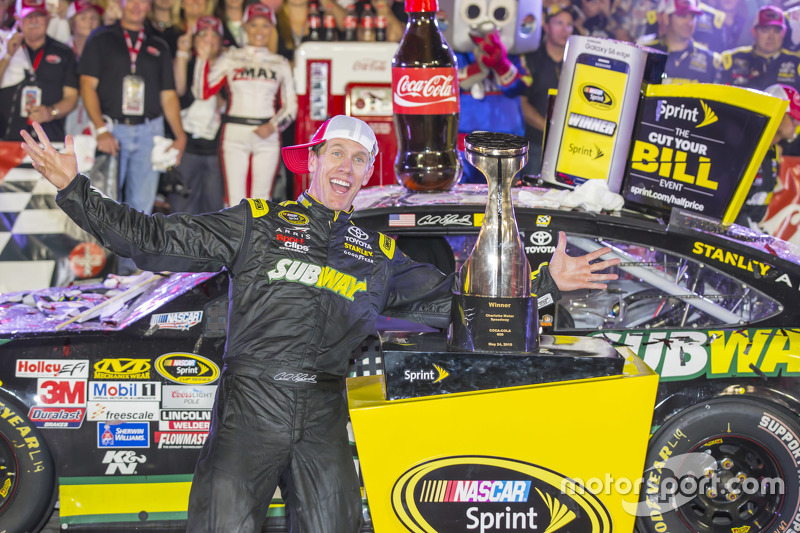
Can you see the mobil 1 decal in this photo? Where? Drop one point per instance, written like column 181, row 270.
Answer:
column 479, row 493
column 690, row 153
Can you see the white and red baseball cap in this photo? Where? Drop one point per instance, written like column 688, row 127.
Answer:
column 207, row 22
column 679, row 7
column 79, row 6
column 788, row 93
column 338, row 127
column 26, row 7
column 259, row 10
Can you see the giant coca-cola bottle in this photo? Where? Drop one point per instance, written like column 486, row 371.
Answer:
column 426, row 104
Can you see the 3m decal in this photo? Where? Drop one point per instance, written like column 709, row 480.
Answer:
column 187, row 368
column 493, row 494
column 122, row 368
column 326, row 278
column 61, row 392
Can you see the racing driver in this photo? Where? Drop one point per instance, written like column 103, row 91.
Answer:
column 299, row 305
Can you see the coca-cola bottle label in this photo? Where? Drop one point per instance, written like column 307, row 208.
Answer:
column 425, row 91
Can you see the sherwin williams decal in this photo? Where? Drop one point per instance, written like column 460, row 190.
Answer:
column 492, row 494
column 187, row 368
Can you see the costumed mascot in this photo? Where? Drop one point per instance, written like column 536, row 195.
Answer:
column 488, row 37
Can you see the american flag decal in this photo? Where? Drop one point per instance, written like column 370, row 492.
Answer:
column 402, row 220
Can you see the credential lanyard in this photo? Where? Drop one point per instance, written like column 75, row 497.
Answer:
column 133, row 50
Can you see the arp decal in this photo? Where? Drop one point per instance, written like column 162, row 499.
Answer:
column 187, row 368
column 683, row 355
column 293, row 218
column 492, row 494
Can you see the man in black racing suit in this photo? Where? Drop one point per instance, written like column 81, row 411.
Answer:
column 306, row 287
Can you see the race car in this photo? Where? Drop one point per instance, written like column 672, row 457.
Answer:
column 105, row 403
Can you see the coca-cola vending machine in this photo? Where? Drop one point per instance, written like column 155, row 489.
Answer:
column 347, row 78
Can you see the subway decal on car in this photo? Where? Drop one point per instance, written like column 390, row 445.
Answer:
column 682, row 355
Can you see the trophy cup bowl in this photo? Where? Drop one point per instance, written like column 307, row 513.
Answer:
column 494, row 310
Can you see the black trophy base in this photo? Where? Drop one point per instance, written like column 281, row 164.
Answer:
column 494, row 325
column 422, row 364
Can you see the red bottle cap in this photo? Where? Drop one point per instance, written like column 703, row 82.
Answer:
column 421, row 6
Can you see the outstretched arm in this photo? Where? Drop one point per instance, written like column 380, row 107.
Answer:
column 59, row 169
column 571, row 273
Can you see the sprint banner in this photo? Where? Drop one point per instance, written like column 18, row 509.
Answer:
column 698, row 147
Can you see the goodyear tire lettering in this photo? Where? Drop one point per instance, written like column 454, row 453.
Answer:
column 27, row 484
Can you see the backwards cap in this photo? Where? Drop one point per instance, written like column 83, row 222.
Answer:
column 26, row 7
column 338, row 127
column 785, row 92
column 259, row 10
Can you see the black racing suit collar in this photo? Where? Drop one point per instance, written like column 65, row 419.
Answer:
column 318, row 209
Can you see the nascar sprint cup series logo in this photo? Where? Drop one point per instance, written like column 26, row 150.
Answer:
column 492, row 494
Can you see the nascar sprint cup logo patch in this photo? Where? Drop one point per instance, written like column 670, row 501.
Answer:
column 493, row 494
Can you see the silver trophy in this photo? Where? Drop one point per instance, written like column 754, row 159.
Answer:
column 494, row 310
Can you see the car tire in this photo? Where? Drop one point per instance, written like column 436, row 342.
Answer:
column 27, row 472
column 747, row 446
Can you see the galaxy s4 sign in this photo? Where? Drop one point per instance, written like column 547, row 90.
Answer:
column 478, row 493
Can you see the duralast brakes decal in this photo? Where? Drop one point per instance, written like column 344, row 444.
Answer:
column 726, row 257
column 683, row 355
column 187, row 368
column 291, row 217
column 22, row 441
column 493, row 494
column 327, row 278
column 122, row 368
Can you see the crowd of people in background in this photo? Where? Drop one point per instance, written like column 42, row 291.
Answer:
column 214, row 77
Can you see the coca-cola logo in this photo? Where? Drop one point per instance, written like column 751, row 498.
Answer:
column 434, row 87
column 425, row 90
column 370, row 64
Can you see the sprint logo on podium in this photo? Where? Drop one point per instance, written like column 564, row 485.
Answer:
column 435, row 375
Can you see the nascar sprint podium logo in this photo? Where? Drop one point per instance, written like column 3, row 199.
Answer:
column 492, row 494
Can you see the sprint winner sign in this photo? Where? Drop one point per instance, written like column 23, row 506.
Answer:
column 698, row 147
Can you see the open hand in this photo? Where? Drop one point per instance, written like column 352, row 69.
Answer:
column 59, row 169
column 571, row 273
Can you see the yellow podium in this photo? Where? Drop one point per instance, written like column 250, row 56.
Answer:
column 554, row 456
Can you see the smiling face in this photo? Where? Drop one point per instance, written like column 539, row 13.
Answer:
column 338, row 172
column 258, row 30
